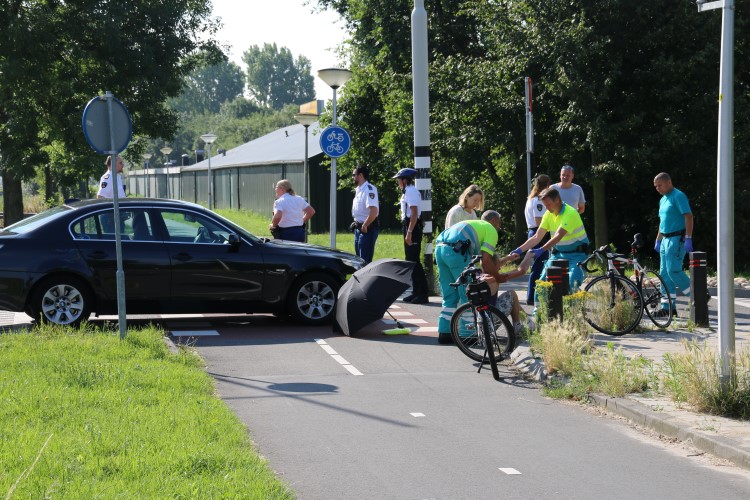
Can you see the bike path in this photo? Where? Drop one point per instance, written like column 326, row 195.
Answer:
column 722, row 437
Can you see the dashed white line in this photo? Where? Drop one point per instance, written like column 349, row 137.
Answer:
column 328, row 349
column 509, row 470
column 411, row 321
column 339, row 359
column 416, row 414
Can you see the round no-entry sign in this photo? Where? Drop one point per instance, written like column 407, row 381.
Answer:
column 96, row 124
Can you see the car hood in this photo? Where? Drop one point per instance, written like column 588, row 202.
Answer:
column 311, row 249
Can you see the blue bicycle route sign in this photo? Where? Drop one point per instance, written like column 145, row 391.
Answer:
column 335, row 141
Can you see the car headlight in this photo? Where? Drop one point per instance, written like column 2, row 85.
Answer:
column 357, row 263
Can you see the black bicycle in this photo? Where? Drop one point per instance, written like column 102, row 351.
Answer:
column 614, row 303
column 480, row 330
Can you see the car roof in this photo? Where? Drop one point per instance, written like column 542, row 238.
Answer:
column 74, row 204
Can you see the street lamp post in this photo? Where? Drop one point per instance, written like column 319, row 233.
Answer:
column 725, row 189
column 306, row 119
column 146, row 157
column 165, row 151
column 209, row 139
column 334, row 78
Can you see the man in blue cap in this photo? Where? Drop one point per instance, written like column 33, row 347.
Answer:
column 411, row 224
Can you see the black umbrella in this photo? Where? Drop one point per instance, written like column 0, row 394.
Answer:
column 370, row 291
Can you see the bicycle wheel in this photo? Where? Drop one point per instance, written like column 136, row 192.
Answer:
column 655, row 294
column 467, row 332
column 613, row 305
column 488, row 330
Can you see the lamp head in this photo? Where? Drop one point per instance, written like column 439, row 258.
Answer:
column 335, row 77
column 208, row 138
column 306, row 119
column 147, row 156
column 166, row 150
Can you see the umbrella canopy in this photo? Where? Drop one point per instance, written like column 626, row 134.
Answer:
column 370, row 291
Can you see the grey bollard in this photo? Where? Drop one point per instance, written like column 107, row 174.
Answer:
column 698, row 288
column 555, row 276
column 563, row 265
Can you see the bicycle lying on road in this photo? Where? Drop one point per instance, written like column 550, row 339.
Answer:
column 480, row 330
column 614, row 303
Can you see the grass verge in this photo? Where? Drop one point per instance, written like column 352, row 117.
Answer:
column 692, row 376
column 86, row 415
column 389, row 244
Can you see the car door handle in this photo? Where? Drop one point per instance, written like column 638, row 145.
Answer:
column 183, row 257
column 99, row 254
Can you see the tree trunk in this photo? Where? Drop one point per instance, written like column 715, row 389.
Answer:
column 600, row 213
column 49, row 193
column 12, row 198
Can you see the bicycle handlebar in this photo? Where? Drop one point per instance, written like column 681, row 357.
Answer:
column 602, row 255
column 469, row 271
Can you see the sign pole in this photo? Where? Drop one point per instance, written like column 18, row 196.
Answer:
column 529, row 133
column 120, row 274
column 108, row 128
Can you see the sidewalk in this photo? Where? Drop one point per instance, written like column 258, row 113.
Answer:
column 722, row 437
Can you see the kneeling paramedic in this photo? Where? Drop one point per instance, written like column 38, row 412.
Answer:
column 454, row 249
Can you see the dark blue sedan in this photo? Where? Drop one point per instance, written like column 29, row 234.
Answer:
column 60, row 266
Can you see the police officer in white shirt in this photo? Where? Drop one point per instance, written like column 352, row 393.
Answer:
column 411, row 210
column 365, row 209
column 106, row 183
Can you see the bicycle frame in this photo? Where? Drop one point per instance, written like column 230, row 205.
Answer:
column 651, row 302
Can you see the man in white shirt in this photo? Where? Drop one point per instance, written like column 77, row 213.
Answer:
column 570, row 193
column 412, row 226
column 106, row 183
column 365, row 209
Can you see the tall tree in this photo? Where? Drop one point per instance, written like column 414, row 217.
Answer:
column 623, row 91
column 275, row 78
column 208, row 87
column 55, row 56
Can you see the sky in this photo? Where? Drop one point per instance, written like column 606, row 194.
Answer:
column 289, row 23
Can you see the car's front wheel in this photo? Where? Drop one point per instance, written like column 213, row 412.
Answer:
column 312, row 299
column 64, row 300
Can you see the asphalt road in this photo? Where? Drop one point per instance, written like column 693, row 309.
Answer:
column 401, row 417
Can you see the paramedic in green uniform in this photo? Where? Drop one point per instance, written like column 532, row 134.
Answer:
column 569, row 240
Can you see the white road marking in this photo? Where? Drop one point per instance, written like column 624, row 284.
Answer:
column 194, row 333
column 426, row 329
column 328, row 349
column 509, row 470
column 400, row 313
column 352, row 370
column 417, row 414
column 411, row 321
column 339, row 359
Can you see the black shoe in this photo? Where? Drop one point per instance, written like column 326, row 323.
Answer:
column 409, row 298
column 420, row 300
column 662, row 313
column 445, row 338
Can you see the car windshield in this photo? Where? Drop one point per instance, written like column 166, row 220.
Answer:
column 243, row 231
column 31, row 223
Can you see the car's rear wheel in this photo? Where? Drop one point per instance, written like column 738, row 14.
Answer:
column 63, row 300
column 312, row 299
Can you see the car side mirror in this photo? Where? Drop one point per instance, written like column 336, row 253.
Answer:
column 233, row 239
